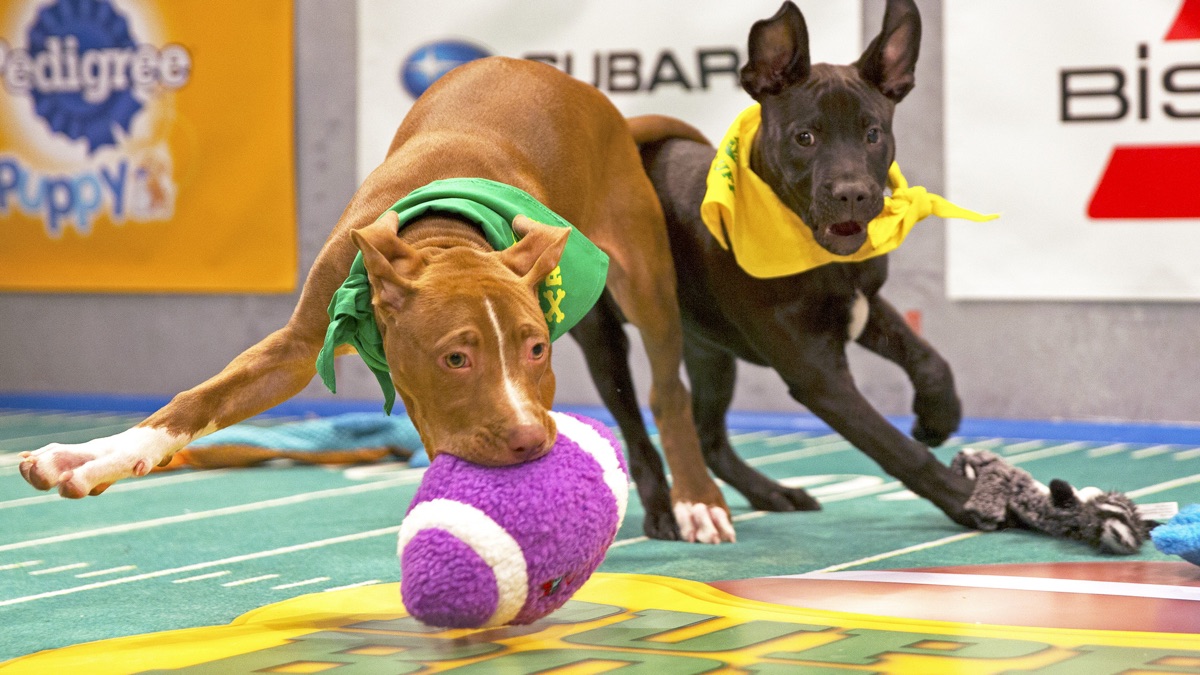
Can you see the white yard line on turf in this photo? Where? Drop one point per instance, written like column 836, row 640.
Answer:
column 409, row 478
column 1152, row 451
column 251, row 580
column 371, row 582
column 60, row 568
column 320, row 543
column 792, row 437
column 1162, row 487
column 809, row 450
column 101, row 573
column 898, row 552
column 294, row 584
column 1110, row 449
column 1052, row 451
column 127, row 486
column 749, row 436
column 1021, row 447
column 201, row 577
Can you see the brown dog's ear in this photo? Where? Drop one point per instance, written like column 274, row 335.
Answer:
column 537, row 253
column 392, row 265
column 890, row 61
column 778, row 53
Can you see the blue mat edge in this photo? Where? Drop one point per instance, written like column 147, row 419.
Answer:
column 1098, row 431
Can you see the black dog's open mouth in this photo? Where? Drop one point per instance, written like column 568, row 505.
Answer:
column 843, row 238
column 847, row 228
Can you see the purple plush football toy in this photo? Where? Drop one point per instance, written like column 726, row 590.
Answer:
column 491, row 546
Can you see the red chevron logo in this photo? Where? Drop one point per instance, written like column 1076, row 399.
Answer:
column 1187, row 24
column 1149, row 182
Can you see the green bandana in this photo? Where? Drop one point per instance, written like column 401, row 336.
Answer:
column 566, row 294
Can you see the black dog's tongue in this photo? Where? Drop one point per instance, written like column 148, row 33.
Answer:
column 847, row 228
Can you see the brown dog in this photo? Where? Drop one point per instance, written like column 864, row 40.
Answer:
column 466, row 344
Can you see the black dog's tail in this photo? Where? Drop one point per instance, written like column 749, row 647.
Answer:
column 649, row 129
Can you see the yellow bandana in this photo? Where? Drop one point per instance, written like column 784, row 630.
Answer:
column 770, row 240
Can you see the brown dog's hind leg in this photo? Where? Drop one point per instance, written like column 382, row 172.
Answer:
column 641, row 278
column 606, row 350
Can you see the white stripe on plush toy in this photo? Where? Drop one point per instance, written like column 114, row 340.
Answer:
column 603, row 452
column 490, row 542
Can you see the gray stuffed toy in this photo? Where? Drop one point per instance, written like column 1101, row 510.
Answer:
column 1006, row 496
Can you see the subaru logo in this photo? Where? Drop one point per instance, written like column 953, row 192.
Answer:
column 429, row 62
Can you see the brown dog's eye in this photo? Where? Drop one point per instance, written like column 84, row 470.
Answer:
column 872, row 135
column 538, row 350
column 456, row 360
column 805, row 138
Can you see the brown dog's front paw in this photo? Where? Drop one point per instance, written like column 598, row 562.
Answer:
column 89, row 468
column 704, row 523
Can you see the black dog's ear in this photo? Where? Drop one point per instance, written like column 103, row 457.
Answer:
column 890, row 61
column 778, row 53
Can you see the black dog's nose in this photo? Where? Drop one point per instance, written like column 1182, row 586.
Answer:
column 851, row 192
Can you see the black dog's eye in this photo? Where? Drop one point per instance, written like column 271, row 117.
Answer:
column 873, row 135
column 805, row 138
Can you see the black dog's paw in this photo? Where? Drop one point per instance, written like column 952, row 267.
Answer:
column 660, row 525
column 937, row 419
column 935, row 401
column 784, row 499
column 931, row 436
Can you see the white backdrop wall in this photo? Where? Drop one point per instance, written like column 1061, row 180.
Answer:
column 674, row 56
column 1084, row 128
column 1046, row 359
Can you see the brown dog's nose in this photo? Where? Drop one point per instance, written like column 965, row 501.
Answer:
column 525, row 440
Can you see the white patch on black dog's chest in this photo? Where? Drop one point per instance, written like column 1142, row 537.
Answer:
column 860, row 311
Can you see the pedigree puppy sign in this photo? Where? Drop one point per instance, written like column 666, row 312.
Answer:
column 146, row 146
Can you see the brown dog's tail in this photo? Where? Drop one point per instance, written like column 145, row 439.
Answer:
column 654, row 128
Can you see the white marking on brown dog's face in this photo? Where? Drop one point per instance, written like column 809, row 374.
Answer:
column 522, row 408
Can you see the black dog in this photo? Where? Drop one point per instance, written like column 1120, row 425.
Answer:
column 824, row 147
